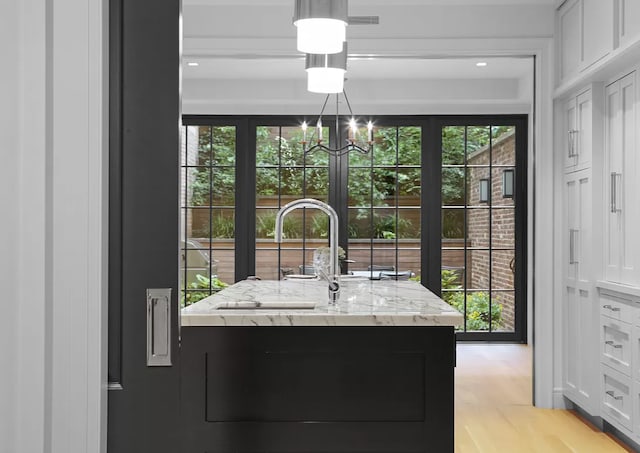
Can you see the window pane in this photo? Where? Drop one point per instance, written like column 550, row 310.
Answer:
column 477, row 144
column 198, row 186
column 503, row 145
column 478, row 228
column 409, row 186
column 410, row 145
column 453, row 187
column 503, row 225
column 267, row 146
column 478, row 271
column 504, row 302
column 317, row 183
column 223, row 188
column 359, row 185
column 503, row 190
column 267, row 186
column 502, row 269
column 409, row 223
column 453, row 145
column 385, row 151
column 223, row 145
column 478, row 186
column 453, row 224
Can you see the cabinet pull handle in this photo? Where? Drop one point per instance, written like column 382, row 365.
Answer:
column 615, row 178
column 572, row 246
column 572, row 143
column 613, row 395
column 612, row 344
column 609, row 307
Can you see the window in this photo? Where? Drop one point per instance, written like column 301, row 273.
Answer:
column 439, row 199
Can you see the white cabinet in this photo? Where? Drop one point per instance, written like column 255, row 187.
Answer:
column 585, row 32
column 578, row 229
column 578, row 141
column 597, row 30
column 580, row 312
column 621, row 250
column 620, row 361
column 628, row 22
column 569, row 38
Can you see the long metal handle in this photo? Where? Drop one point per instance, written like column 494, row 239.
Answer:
column 158, row 326
column 615, row 178
column 572, row 143
column 572, row 246
column 612, row 344
column 613, row 395
column 609, row 307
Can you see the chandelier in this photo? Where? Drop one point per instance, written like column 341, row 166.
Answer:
column 355, row 141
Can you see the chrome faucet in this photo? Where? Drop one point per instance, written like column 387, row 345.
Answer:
column 334, row 267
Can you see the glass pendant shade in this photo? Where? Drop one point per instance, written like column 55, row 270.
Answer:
column 321, row 25
column 321, row 35
column 325, row 80
column 325, row 73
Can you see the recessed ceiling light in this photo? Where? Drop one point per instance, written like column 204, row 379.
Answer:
column 481, row 64
column 193, row 63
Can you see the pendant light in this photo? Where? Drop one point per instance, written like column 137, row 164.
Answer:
column 325, row 72
column 321, row 25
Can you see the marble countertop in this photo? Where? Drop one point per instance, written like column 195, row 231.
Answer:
column 363, row 302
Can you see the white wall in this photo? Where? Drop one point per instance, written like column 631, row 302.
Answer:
column 52, row 192
column 9, row 144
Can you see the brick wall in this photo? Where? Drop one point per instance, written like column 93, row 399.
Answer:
column 502, row 231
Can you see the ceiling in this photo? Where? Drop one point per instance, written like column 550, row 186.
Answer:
column 248, row 46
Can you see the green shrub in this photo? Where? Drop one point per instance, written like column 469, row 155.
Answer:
column 207, row 286
column 477, row 303
column 266, row 226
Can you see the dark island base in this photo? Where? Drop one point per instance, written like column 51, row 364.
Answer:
column 317, row 389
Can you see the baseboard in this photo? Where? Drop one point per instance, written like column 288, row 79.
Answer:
column 620, row 436
column 560, row 401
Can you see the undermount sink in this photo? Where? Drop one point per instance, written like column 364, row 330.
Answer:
column 265, row 305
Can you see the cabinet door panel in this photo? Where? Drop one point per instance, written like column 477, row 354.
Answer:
column 584, row 128
column 581, row 362
column 627, row 182
column 571, row 135
column 578, row 228
column 597, row 31
column 629, row 21
column 613, row 145
column 570, row 46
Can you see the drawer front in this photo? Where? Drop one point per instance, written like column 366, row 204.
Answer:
column 616, row 344
column 618, row 309
column 617, row 405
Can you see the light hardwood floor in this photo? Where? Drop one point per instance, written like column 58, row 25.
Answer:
column 494, row 411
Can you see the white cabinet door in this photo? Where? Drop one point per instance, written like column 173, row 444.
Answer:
column 581, row 350
column 579, row 132
column 581, row 312
column 597, row 30
column 569, row 32
column 578, row 236
column 622, row 263
column 629, row 22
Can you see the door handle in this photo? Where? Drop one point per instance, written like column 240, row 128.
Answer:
column 158, row 326
column 572, row 246
column 615, row 178
column 572, row 143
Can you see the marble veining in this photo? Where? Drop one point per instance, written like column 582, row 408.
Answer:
column 362, row 303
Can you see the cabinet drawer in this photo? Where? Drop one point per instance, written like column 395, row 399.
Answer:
column 615, row 308
column 617, row 405
column 616, row 344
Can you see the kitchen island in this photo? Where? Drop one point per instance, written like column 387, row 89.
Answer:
column 372, row 374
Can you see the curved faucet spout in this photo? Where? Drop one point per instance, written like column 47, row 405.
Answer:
column 334, row 266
